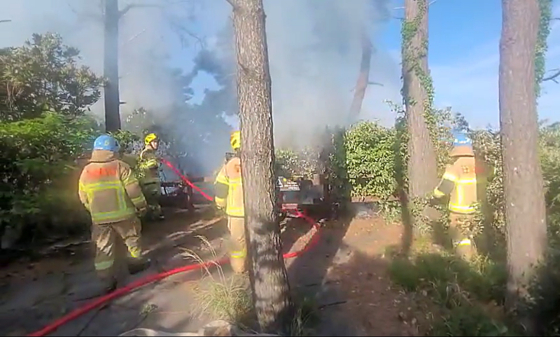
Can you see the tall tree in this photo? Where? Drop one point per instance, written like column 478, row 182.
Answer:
column 269, row 279
column 523, row 183
column 418, row 98
column 111, row 65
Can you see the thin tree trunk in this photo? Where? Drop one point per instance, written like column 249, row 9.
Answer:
column 363, row 78
column 269, row 279
column 422, row 163
column 111, row 65
column 525, row 211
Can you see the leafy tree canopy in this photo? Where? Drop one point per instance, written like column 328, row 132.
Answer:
column 44, row 74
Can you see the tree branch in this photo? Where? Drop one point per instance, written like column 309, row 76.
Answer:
column 553, row 77
column 7, row 20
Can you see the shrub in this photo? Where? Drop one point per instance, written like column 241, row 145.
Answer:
column 39, row 171
column 370, row 159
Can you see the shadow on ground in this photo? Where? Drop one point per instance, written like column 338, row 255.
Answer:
column 346, row 275
column 308, row 272
column 36, row 293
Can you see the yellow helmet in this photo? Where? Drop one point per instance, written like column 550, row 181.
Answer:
column 150, row 138
column 235, row 140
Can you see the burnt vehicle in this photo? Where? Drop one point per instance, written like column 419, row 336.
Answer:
column 305, row 195
column 296, row 192
column 179, row 194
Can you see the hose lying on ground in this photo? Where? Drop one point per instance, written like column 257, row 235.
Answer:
column 153, row 278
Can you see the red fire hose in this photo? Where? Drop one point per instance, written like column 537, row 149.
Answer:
column 152, row 278
column 186, row 180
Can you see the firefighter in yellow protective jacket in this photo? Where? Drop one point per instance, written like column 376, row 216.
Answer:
column 460, row 183
column 110, row 192
column 229, row 197
column 150, row 180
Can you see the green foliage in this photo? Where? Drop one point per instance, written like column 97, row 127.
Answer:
column 370, row 159
column 43, row 132
column 39, row 172
column 127, row 140
column 329, row 160
column 303, row 163
column 542, row 45
column 460, row 291
column 44, row 74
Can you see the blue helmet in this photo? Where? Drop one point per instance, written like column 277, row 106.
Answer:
column 107, row 143
column 461, row 139
column 462, row 145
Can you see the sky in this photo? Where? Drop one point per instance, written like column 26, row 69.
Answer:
column 463, row 53
column 463, row 58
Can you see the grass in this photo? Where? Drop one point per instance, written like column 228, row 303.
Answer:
column 228, row 297
column 219, row 296
column 467, row 296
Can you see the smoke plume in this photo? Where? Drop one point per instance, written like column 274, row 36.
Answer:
column 314, row 50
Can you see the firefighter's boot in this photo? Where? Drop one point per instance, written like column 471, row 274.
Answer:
column 137, row 265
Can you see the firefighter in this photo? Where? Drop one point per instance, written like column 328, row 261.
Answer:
column 229, row 197
column 150, row 181
column 110, row 192
column 460, row 184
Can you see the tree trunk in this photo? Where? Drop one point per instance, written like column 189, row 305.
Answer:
column 111, row 65
column 417, row 92
column 363, row 78
column 525, row 211
column 269, row 279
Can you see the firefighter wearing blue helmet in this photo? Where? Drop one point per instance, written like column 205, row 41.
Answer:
column 110, row 192
column 460, row 184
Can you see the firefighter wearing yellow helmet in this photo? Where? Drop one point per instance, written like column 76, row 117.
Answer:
column 150, row 180
column 459, row 182
column 229, row 197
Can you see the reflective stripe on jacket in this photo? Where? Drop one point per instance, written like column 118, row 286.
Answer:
column 461, row 175
column 229, row 188
column 109, row 189
column 149, row 164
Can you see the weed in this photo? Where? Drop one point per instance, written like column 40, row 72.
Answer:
column 465, row 292
column 228, row 297
column 222, row 297
column 306, row 316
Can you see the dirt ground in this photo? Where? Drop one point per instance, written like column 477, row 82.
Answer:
column 345, row 273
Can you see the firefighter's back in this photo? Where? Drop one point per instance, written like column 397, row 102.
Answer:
column 107, row 197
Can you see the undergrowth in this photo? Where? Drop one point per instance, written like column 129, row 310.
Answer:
column 467, row 296
column 227, row 296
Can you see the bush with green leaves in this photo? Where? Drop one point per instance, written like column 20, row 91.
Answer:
column 370, row 160
column 39, row 171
